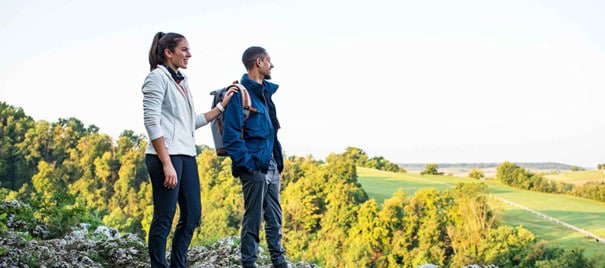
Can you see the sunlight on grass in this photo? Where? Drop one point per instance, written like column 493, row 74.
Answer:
column 583, row 213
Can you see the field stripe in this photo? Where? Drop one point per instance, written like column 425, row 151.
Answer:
column 587, row 233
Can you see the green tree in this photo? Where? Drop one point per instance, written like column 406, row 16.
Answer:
column 576, row 168
column 391, row 221
column 431, row 169
column 476, row 174
column 472, row 222
column 425, row 224
column 14, row 168
column 571, row 258
column 364, row 243
column 53, row 205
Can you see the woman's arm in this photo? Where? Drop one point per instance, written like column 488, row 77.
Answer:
column 170, row 178
column 215, row 112
column 153, row 95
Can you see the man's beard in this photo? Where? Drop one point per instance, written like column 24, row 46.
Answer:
column 267, row 77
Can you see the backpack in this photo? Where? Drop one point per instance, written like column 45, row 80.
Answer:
column 217, row 124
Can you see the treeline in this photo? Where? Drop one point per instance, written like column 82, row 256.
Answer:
column 540, row 166
column 517, row 176
column 70, row 173
column 360, row 158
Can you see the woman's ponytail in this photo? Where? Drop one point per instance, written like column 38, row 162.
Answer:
column 162, row 41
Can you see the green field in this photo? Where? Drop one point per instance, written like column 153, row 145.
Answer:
column 583, row 213
column 578, row 177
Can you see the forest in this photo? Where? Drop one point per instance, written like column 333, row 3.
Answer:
column 69, row 173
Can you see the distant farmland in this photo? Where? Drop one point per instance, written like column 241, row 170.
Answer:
column 578, row 177
column 583, row 213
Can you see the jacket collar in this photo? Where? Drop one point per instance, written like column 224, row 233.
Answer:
column 258, row 88
column 177, row 84
column 177, row 77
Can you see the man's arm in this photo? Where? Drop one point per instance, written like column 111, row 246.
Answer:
column 233, row 124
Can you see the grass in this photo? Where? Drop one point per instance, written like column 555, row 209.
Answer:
column 583, row 213
column 578, row 177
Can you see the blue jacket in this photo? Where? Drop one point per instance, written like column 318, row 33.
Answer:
column 250, row 144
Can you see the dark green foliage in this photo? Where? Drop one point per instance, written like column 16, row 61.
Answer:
column 514, row 175
column 71, row 173
column 359, row 158
column 431, row 169
column 592, row 190
column 14, row 169
column 476, row 174
column 570, row 258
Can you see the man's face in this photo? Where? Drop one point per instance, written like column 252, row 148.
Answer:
column 265, row 66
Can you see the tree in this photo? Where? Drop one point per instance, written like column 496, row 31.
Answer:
column 508, row 173
column 576, row 168
column 476, row 174
column 431, row 169
column 425, row 224
column 53, row 205
column 365, row 237
column 472, row 222
column 14, row 168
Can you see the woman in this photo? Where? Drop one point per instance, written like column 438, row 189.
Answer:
column 170, row 120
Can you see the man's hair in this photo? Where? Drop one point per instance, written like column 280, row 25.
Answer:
column 250, row 56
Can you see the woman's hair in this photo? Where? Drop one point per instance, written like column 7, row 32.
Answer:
column 162, row 41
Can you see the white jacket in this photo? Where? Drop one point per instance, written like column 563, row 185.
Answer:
column 169, row 113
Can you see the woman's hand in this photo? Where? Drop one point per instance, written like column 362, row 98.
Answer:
column 228, row 95
column 170, row 178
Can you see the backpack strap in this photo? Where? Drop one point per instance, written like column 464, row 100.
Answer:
column 246, row 100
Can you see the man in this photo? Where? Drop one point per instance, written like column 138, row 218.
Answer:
column 257, row 157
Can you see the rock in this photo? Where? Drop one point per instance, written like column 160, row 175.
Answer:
column 76, row 235
column 107, row 248
column 41, row 231
column 104, row 231
column 428, row 265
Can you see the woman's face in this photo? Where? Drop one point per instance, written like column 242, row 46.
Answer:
column 180, row 57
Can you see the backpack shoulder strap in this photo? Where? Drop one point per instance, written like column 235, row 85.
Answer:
column 246, row 100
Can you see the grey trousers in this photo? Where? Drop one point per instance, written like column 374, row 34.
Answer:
column 261, row 200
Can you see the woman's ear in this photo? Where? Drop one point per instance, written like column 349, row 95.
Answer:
column 167, row 53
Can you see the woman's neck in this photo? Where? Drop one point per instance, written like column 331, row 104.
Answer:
column 172, row 66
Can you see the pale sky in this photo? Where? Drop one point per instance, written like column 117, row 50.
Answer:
column 413, row 81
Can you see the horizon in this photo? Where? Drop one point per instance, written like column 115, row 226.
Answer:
column 465, row 82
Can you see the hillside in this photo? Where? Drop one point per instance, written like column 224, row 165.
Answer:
column 584, row 213
column 578, row 177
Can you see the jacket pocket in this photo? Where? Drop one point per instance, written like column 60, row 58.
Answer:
column 168, row 129
column 257, row 125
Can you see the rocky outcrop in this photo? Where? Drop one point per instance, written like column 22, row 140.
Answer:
column 106, row 247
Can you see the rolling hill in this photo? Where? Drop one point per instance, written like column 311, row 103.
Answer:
column 583, row 213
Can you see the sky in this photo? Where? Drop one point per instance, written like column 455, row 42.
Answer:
column 413, row 81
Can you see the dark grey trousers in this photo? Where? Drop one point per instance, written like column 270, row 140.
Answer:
column 261, row 200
